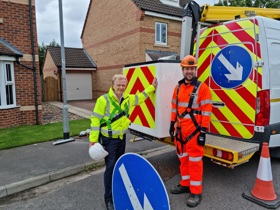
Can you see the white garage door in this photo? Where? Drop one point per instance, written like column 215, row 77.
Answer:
column 79, row 86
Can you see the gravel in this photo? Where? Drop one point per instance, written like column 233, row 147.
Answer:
column 52, row 114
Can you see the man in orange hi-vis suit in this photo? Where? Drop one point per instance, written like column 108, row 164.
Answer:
column 190, row 117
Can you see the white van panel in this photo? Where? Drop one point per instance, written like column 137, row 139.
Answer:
column 274, row 66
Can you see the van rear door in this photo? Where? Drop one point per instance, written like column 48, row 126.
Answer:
column 227, row 57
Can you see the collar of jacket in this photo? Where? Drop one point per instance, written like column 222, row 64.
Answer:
column 193, row 83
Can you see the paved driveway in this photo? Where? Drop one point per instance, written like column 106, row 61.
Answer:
column 84, row 104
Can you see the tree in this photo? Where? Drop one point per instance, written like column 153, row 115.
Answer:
column 248, row 3
column 42, row 52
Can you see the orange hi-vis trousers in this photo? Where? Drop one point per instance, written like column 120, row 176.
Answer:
column 191, row 164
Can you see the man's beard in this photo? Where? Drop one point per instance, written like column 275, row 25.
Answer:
column 191, row 79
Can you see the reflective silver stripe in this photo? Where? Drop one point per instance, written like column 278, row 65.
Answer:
column 183, row 104
column 185, row 154
column 107, row 111
column 99, row 116
column 196, row 95
column 195, row 159
column 195, row 105
column 195, row 183
column 125, row 130
column 173, row 101
column 188, row 116
column 114, row 132
column 206, row 113
column 173, row 110
column 106, row 131
column 186, row 177
column 136, row 100
column 208, row 101
column 145, row 94
column 95, row 128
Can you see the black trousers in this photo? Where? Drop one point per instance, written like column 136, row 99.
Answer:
column 116, row 148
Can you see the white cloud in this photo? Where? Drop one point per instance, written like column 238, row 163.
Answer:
column 211, row 2
column 48, row 22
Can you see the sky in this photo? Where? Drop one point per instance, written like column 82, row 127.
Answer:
column 74, row 14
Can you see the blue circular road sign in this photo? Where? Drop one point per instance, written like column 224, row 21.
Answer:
column 231, row 66
column 137, row 185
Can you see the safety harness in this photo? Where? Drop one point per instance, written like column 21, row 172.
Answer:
column 113, row 117
column 191, row 112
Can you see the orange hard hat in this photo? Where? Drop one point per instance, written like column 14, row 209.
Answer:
column 189, row 61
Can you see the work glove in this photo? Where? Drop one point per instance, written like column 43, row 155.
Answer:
column 171, row 129
column 201, row 139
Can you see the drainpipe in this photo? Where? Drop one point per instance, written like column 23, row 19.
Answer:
column 33, row 68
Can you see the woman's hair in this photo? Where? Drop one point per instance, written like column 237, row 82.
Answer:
column 118, row 77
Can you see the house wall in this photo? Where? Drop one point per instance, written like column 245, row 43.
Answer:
column 148, row 35
column 15, row 29
column 117, row 33
column 49, row 68
column 111, row 37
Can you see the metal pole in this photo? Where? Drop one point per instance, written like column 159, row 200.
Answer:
column 66, row 132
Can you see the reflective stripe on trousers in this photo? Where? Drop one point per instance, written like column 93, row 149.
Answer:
column 191, row 166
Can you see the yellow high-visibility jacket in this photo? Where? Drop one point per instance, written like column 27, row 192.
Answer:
column 104, row 108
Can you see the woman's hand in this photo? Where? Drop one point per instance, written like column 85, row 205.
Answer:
column 155, row 82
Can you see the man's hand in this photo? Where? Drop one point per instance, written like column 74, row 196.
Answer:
column 201, row 139
column 171, row 129
column 155, row 82
column 91, row 144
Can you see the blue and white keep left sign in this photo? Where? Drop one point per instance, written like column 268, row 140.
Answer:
column 137, row 185
column 231, row 66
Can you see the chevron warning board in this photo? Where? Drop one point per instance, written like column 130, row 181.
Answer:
column 237, row 93
column 140, row 78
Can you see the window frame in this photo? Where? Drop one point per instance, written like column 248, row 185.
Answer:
column 160, row 42
column 4, row 82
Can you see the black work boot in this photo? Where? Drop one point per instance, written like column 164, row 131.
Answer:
column 178, row 189
column 194, row 200
column 109, row 205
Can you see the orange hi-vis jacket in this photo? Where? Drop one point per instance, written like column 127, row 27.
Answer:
column 202, row 102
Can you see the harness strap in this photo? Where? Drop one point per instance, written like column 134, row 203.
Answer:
column 112, row 117
column 191, row 112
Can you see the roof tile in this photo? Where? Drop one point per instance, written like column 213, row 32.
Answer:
column 74, row 57
column 159, row 7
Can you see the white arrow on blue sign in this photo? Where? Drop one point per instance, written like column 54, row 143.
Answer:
column 231, row 66
column 137, row 185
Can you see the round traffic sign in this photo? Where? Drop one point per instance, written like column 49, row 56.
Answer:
column 231, row 66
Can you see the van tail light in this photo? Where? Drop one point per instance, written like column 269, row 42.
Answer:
column 263, row 108
column 223, row 154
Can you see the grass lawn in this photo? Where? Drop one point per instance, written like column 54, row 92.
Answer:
column 30, row 134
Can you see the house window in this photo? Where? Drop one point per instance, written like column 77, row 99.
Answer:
column 7, row 85
column 161, row 33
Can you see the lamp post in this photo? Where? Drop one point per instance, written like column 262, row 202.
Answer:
column 66, row 133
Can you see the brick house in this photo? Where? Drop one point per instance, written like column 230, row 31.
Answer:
column 78, row 67
column 121, row 32
column 20, row 93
